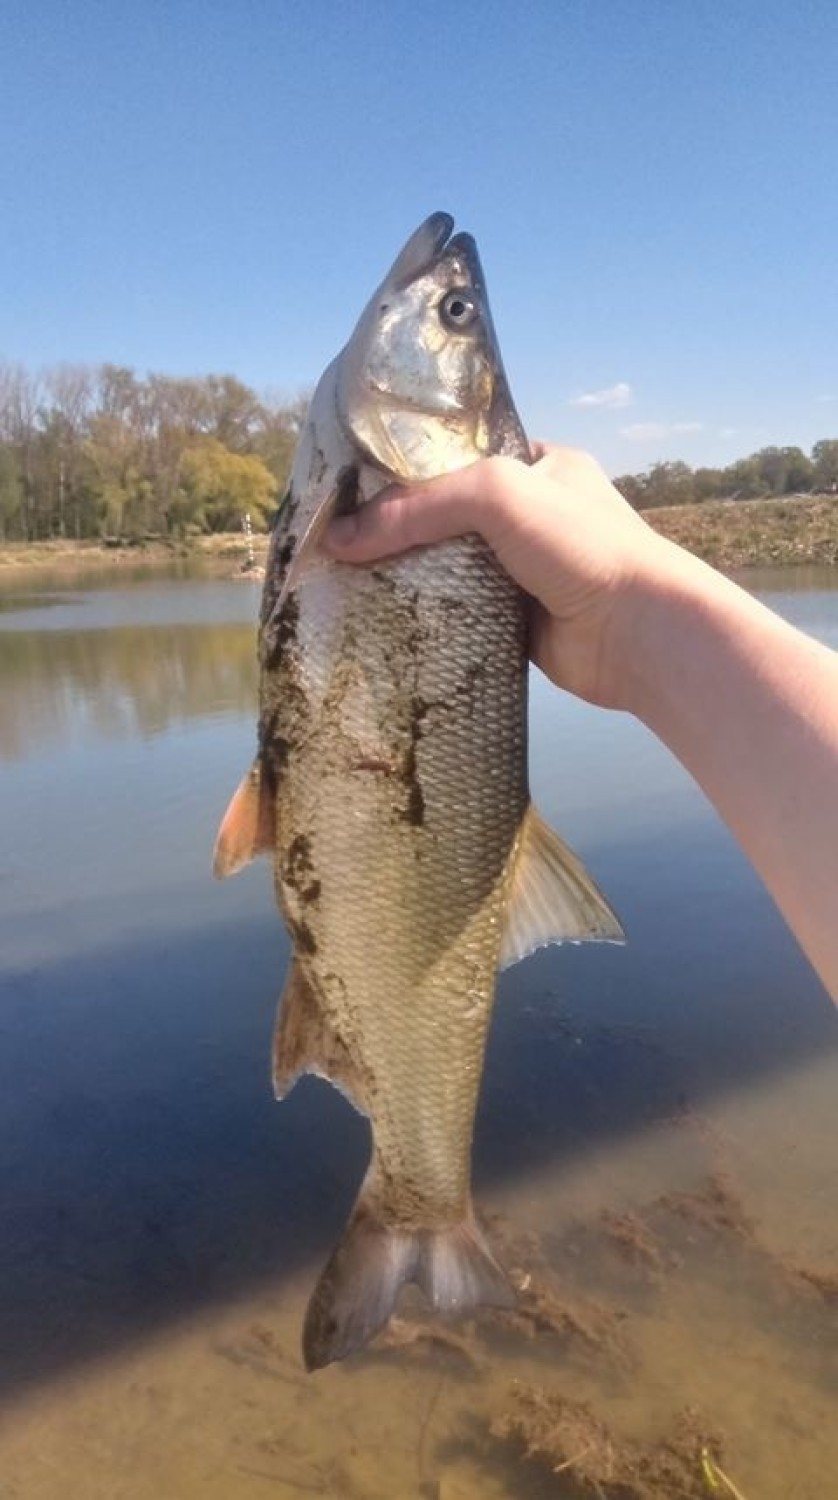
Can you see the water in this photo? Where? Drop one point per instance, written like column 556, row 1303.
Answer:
column 163, row 1220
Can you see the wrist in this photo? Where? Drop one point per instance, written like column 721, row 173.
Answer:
column 663, row 600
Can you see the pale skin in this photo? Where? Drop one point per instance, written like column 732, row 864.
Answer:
column 628, row 620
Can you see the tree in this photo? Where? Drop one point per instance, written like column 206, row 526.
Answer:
column 11, row 493
column 800, row 471
column 746, row 480
column 709, row 484
column 668, row 484
column 19, row 399
column 783, row 470
column 632, row 487
column 68, row 389
column 825, row 465
column 218, row 487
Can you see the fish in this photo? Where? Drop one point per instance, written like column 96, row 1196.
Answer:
column 390, row 790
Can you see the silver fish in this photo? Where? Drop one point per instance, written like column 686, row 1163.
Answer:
column 390, row 788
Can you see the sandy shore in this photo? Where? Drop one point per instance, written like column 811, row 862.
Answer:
column 228, row 550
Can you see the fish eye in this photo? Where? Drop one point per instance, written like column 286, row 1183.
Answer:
column 458, row 309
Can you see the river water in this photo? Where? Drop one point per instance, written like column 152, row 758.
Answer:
column 655, row 1149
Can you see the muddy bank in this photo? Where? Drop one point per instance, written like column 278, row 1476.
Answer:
column 755, row 533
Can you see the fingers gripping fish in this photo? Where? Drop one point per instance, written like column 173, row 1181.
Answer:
column 390, row 789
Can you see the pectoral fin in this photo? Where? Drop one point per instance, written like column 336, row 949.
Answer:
column 340, row 501
column 304, row 1042
column 248, row 827
column 552, row 897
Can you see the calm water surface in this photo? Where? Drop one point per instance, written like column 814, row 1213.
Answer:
column 163, row 1220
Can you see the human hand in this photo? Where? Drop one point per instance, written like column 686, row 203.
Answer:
column 562, row 531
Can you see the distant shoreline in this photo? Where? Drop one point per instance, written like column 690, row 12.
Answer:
column 730, row 534
column 224, row 550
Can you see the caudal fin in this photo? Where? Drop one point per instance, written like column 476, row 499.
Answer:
column 357, row 1291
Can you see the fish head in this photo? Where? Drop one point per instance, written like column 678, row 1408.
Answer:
column 420, row 386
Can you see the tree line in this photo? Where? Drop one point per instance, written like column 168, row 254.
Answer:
column 771, row 471
column 102, row 452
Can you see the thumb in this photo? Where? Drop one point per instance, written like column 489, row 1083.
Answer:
column 399, row 519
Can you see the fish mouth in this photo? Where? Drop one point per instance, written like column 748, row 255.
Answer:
column 505, row 426
column 432, row 242
column 463, row 247
column 422, row 250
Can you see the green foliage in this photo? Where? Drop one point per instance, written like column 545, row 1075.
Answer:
column 708, row 483
column 92, row 452
column 668, row 484
column 218, row 487
column 104, row 452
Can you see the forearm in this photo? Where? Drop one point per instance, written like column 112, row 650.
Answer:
column 749, row 705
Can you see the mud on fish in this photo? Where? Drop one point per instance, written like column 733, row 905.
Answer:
column 390, row 789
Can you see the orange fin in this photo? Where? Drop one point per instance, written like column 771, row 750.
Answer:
column 248, row 827
column 304, row 1042
column 359, row 1288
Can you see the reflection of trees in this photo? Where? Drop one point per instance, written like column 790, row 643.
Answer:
column 131, row 681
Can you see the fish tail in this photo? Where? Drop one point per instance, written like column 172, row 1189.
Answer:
column 358, row 1290
column 457, row 1271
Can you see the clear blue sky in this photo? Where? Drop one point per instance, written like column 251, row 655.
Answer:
column 195, row 185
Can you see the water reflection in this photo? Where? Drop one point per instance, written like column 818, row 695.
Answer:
column 61, row 686
column 163, row 1218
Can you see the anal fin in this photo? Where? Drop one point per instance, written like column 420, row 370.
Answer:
column 552, row 898
column 304, row 1042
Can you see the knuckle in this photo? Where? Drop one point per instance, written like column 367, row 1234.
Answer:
column 573, row 460
column 502, row 473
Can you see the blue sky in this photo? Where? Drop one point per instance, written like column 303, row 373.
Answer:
column 654, row 188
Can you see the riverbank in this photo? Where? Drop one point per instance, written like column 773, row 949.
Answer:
column 733, row 534
column 730, row 534
column 227, row 550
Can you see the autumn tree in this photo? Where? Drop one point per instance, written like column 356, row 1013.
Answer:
column 91, row 451
column 217, row 488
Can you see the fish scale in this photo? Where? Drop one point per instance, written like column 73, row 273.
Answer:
column 436, row 946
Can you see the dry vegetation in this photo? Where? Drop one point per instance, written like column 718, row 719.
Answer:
column 226, row 548
column 743, row 533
